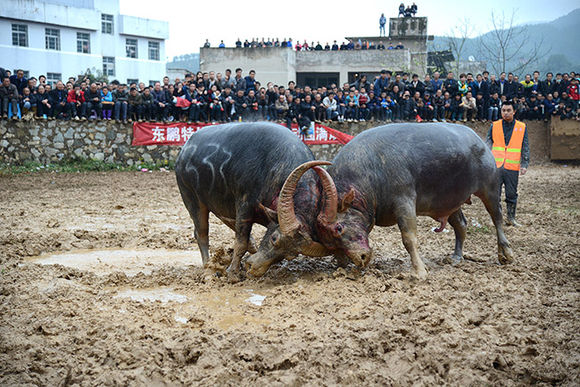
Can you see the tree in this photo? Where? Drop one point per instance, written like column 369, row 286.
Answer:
column 507, row 45
column 457, row 38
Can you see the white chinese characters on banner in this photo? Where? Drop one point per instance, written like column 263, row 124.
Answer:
column 186, row 133
column 158, row 134
column 173, row 134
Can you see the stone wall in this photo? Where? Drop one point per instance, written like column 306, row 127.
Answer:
column 50, row 141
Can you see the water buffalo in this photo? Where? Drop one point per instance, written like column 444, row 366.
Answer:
column 390, row 174
column 248, row 173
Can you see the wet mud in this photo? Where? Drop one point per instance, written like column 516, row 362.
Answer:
column 95, row 289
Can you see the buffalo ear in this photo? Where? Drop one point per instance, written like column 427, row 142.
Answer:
column 270, row 213
column 346, row 201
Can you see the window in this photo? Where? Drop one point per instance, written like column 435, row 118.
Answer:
column 52, row 39
column 153, row 50
column 131, row 48
column 108, row 66
column 52, row 78
column 106, row 24
column 20, row 35
column 130, row 80
column 83, row 43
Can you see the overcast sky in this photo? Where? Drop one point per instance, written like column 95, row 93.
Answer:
column 191, row 22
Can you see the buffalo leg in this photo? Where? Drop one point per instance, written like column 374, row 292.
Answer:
column 231, row 223
column 459, row 223
column 243, row 231
column 200, row 216
column 408, row 225
column 490, row 199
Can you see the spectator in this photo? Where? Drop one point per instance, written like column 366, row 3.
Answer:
column 9, row 96
column 134, row 105
column 293, row 111
column 281, row 106
column 43, row 105
column 456, row 108
column 439, row 106
column 469, row 106
column 331, row 106
column 382, row 22
column 160, row 102
column 107, row 102
column 76, row 103
column 493, row 107
column 121, row 98
column 58, row 97
column 351, row 107
column 240, row 106
column 401, row 10
column 19, row 81
column 27, row 103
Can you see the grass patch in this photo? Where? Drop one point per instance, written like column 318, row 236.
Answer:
column 79, row 165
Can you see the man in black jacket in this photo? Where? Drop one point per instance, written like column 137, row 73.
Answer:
column 8, row 95
column 58, row 98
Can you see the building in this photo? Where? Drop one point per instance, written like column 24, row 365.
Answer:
column 64, row 38
column 321, row 68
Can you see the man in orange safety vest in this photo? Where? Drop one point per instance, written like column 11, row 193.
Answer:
column 508, row 139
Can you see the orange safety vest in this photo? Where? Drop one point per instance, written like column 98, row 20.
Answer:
column 508, row 157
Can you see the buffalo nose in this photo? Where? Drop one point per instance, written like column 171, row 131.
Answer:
column 363, row 258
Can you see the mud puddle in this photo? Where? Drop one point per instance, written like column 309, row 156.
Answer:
column 224, row 308
column 129, row 261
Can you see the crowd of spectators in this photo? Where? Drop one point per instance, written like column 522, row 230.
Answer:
column 304, row 46
column 217, row 97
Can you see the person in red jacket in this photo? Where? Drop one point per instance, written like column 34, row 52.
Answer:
column 573, row 93
column 75, row 103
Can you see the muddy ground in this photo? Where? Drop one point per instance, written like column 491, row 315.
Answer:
column 473, row 324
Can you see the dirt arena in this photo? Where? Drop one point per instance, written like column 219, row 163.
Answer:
column 155, row 321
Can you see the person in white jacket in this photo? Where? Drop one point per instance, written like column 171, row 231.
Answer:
column 329, row 102
column 469, row 107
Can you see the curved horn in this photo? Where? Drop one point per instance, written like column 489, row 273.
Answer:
column 286, row 215
column 315, row 249
column 328, row 213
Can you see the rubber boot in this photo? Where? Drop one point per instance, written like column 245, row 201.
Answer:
column 511, row 215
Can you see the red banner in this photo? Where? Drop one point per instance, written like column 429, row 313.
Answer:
column 177, row 133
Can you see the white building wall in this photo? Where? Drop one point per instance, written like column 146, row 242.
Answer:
column 70, row 17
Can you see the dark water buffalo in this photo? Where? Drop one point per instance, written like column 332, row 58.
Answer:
column 244, row 174
column 390, row 174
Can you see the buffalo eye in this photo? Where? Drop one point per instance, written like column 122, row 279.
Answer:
column 339, row 228
column 274, row 238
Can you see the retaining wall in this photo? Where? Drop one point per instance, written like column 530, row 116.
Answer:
column 50, row 141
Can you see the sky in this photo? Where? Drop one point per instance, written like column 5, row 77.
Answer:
column 192, row 22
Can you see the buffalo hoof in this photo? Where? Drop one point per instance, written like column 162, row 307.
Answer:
column 234, row 276
column 454, row 260
column 420, row 275
column 505, row 255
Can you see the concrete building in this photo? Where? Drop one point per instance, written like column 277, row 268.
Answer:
column 64, row 38
column 320, row 68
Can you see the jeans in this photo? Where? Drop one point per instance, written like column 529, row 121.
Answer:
column 492, row 113
column 331, row 113
column 121, row 110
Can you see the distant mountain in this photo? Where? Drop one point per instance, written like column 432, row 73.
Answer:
column 185, row 62
column 561, row 45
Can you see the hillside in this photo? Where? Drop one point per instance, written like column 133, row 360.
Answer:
column 561, row 46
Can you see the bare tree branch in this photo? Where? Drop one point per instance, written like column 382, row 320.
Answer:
column 507, row 43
